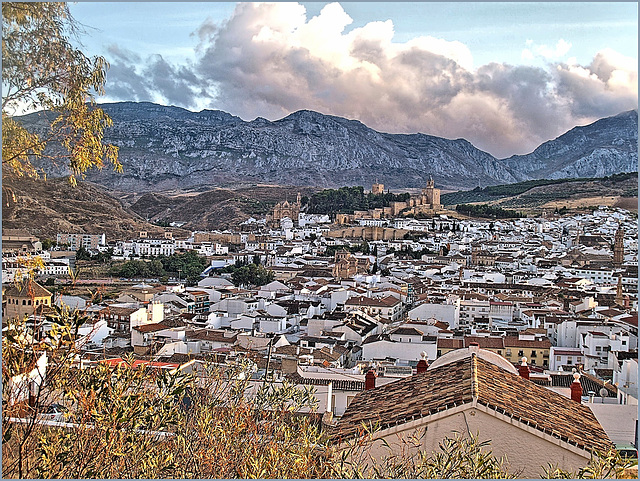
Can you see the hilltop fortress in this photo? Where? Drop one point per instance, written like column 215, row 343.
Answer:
column 427, row 202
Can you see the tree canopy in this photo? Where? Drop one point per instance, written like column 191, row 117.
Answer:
column 43, row 71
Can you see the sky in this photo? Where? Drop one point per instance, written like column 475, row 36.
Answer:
column 505, row 76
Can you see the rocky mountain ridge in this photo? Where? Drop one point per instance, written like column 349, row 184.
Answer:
column 166, row 148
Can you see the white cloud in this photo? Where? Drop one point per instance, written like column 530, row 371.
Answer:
column 545, row 52
column 269, row 60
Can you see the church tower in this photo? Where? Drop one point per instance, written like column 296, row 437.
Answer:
column 618, row 248
column 431, row 195
column 619, row 293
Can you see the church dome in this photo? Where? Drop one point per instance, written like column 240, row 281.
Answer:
column 458, row 354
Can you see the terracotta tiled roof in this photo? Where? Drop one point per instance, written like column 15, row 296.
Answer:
column 211, row 335
column 118, row 311
column 291, row 350
column 512, row 341
column 388, row 301
column 407, row 331
column 588, row 382
column 158, row 326
column 451, row 385
column 450, row 343
column 598, row 334
column 27, row 290
column 485, row 342
column 566, row 352
column 338, row 384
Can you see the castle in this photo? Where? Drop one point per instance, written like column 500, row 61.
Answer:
column 427, row 202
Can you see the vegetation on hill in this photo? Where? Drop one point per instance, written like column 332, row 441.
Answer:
column 485, row 210
column 249, row 274
column 346, row 200
column 187, row 266
column 496, row 192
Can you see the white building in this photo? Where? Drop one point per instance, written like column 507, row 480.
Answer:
column 565, row 356
column 154, row 247
column 449, row 313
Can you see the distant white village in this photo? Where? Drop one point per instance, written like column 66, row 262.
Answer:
column 555, row 294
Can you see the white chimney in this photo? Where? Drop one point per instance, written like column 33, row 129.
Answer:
column 329, row 396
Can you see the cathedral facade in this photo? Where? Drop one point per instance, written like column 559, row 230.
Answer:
column 285, row 209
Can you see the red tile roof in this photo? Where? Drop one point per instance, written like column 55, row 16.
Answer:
column 158, row 326
column 28, row 289
column 512, row 341
column 388, row 301
column 485, row 342
column 450, row 343
column 460, row 382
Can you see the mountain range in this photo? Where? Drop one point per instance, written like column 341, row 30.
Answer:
column 167, row 148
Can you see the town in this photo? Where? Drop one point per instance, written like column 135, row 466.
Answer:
column 319, row 241
column 369, row 293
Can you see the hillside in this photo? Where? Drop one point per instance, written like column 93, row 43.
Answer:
column 625, row 184
column 605, row 147
column 46, row 208
column 213, row 209
column 167, row 148
column 576, row 195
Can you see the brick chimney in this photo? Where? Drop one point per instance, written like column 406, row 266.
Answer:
column 422, row 363
column 524, row 368
column 576, row 388
column 369, row 380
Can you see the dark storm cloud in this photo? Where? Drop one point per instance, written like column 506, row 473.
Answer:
column 151, row 79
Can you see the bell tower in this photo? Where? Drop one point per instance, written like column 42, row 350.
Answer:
column 618, row 247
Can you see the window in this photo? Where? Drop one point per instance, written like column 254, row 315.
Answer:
column 598, row 348
column 508, row 353
column 558, row 358
column 533, row 353
column 569, row 361
column 520, row 353
column 578, row 359
column 545, row 363
column 624, row 343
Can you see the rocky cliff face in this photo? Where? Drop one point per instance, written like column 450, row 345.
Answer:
column 605, row 147
column 164, row 148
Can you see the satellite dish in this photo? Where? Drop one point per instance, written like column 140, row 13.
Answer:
column 603, row 392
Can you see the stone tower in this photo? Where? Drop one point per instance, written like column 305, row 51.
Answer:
column 619, row 293
column 618, row 248
column 431, row 195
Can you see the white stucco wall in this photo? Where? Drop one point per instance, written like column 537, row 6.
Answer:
column 527, row 452
column 443, row 312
